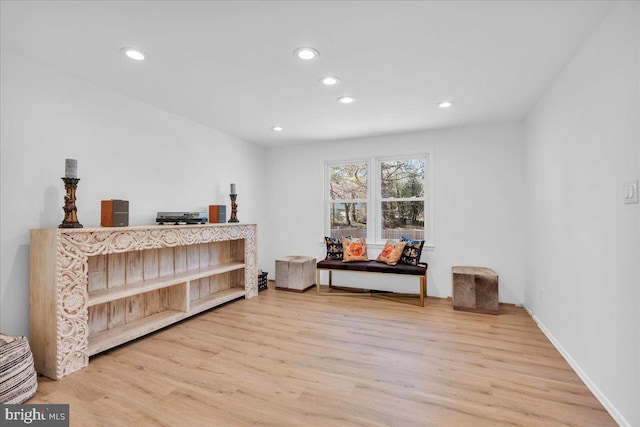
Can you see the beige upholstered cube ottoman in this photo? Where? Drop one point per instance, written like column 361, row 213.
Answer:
column 295, row 273
column 475, row 289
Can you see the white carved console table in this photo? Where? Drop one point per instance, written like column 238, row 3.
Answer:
column 95, row 288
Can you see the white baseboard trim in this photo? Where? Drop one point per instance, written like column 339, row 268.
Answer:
column 611, row 409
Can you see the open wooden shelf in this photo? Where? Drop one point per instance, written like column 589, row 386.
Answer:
column 105, row 286
column 131, row 289
column 216, row 299
column 116, row 336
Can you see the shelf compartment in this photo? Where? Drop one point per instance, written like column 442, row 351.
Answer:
column 216, row 299
column 111, row 294
column 129, row 331
column 130, row 282
column 121, row 312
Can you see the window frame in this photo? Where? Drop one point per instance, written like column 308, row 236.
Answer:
column 374, row 195
column 327, row 192
column 378, row 239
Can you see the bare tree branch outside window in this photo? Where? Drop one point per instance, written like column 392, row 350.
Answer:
column 399, row 203
column 402, row 195
column 349, row 192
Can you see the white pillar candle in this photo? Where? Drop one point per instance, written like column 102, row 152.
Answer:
column 70, row 168
column 233, row 189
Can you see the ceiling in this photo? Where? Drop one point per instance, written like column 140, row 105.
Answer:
column 229, row 65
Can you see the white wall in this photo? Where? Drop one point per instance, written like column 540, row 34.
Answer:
column 638, row 339
column 478, row 201
column 125, row 150
column 582, row 142
column 583, row 252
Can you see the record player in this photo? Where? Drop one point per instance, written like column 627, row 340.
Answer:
column 181, row 218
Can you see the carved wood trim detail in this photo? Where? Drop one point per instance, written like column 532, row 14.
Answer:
column 74, row 246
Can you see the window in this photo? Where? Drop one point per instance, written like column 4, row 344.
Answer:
column 348, row 194
column 388, row 200
column 402, row 185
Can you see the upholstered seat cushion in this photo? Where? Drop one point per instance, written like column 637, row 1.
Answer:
column 373, row 266
column 18, row 378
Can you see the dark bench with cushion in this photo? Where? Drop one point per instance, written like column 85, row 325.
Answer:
column 373, row 267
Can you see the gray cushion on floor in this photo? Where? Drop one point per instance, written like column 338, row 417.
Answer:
column 18, row 378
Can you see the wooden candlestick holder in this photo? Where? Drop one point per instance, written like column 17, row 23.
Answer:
column 234, row 208
column 70, row 210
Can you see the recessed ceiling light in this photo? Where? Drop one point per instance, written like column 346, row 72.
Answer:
column 346, row 99
column 306, row 53
column 445, row 104
column 330, row 80
column 132, row 53
column 277, row 128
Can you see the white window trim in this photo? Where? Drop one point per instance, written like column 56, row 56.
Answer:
column 377, row 197
column 373, row 191
column 327, row 191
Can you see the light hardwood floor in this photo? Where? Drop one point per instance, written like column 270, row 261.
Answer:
column 306, row 360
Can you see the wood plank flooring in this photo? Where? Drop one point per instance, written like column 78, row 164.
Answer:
column 289, row 359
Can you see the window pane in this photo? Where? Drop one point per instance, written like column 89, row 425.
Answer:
column 402, row 178
column 403, row 219
column 348, row 181
column 348, row 219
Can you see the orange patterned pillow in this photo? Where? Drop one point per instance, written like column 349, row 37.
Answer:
column 354, row 250
column 391, row 252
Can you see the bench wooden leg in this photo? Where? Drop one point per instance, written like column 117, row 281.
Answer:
column 339, row 291
column 398, row 297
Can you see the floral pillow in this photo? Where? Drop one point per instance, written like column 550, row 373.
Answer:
column 391, row 252
column 412, row 251
column 354, row 250
column 334, row 247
